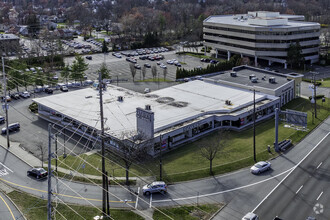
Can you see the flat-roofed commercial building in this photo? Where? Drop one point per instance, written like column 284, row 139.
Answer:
column 9, row 43
column 174, row 115
column 262, row 35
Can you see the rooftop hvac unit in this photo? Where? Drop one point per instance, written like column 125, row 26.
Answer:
column 120, row 99
column 251, row 76
column 272, row 80
column 228, row 102
column 148, row 107
column 254, row 79
column 233, row 74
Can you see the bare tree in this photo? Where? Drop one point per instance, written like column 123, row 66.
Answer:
column 154, row 71
column 42, row 152
column 144, row 71
column 165, row 73
column 133, row 70
column 134, row 148
column 210, row 149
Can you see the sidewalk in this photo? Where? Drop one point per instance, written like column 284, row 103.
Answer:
column 33, row 161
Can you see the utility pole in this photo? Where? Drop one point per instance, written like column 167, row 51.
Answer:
column 49, row 204
column 6, row 104
column 107, row 185
column 254, row 125
column 56, row 153
column 104, row 191
column 314, row 82
column 160, row 159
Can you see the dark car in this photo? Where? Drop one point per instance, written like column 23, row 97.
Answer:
column 11, row 127
column 2, row 119
column 89, row 57
column 15, row 96
column 49, row 91
column 38, row 173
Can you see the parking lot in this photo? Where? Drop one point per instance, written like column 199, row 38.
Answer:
column 120, row 68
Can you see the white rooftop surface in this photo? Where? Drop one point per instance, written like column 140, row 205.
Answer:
column 201, row 97
column 229, row 19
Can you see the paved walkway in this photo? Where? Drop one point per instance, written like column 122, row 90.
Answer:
column 33, row 161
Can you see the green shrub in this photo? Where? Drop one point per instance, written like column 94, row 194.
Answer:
column 33, row 107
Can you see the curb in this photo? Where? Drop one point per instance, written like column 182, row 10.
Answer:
column 15, row 205
column 217, row 212
column 17, row 156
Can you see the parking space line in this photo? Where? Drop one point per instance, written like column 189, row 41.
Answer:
column 137, row 198
column 150, row 201
column 299, row 189
column 319, row 196
column 319, row 165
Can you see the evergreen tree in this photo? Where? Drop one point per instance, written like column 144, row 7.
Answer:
column 78, row 68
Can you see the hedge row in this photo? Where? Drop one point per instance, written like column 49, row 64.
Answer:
column 211, row 68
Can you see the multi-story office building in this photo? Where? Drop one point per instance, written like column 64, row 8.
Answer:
column 262, row 35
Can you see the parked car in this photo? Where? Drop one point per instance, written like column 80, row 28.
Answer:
column 147, row 90
column 38, row 173
column 64, row 89
column 147, row 65
column 89, row 57
column 15, row 96
column 137, row 66
column 155, row 187
column 2, row 119
column 163, row 66
column 260, row 167
column 49, row 91
column 25, row 94
column 250, row 216
column 11, row 127
column 178, row 64
column 7, row 98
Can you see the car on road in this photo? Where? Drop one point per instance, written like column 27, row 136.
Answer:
column 25, row 94
column 250, row 216
column 154, row 187
column 89, row 57
column 2, row 119
column 147, row 90
column 49, row 91
column 38, row 173
column 64, row 89
column 11, row 127
column 260, row 167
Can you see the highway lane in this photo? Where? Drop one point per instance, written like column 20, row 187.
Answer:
column 305, row 192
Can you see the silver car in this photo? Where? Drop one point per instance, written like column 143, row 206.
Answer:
column 260, row 167
column 250, row 216
column 154, row 187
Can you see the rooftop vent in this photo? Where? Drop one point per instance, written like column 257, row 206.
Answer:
column 148, row 107
column 233, row 74
column 272, row 80
column 228, row 102
column 254, row 79
column 251, row 76
column 120, row 99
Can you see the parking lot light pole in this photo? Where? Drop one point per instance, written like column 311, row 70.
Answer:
column 5, row 97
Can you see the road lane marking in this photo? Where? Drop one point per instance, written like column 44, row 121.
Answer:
column 137, row 198
column 292, row 169
column 319, row 196
column 74, row 197
column 319, row 165
column 6, row 167
column 12, row 215
column 150, row 201
column 299, row 189
column 225, row 191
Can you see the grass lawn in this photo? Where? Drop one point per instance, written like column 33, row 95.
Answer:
column 35, row 208
column 187, row 212
column 325, row 83
column 186, row 163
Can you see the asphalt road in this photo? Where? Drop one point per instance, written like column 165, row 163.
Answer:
column 305, row 192
column 7, row 209
column 241, row 190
